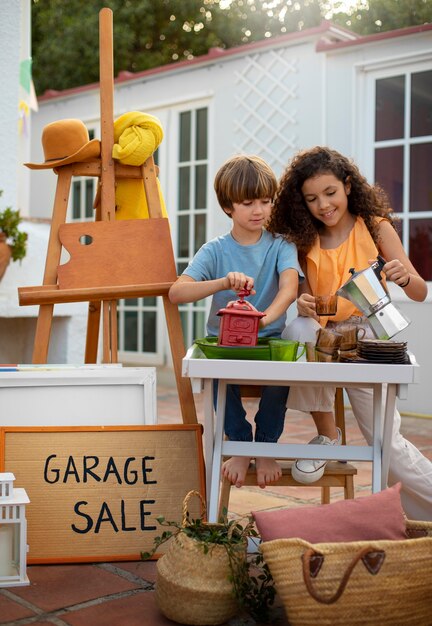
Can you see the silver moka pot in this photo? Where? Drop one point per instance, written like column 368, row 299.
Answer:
column 367, row 292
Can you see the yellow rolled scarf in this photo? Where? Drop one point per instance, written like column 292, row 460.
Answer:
column 137, row 136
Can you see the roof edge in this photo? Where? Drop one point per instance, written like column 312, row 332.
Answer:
column 324, row 46
column 327, row 30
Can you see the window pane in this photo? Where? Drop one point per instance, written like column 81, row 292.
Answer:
column 184, row 323
column 149, row 301
column 421, row 104
column 183, row 235
column 181, row 266
column 200, row 231
column 399, row 225
column 149, row 331
column 89, row 197
column 76, row 200
column 131, row 331
column 389, row 174
column 131, row 302
column 199, row 304
column 199, row 325
column 200, row 186
column 389, row 108
column 184, row 188
column 201, row 134
column 420, row 183
column 420, row 246
column 185, row 136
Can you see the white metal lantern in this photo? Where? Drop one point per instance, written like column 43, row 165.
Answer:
column 13, row 533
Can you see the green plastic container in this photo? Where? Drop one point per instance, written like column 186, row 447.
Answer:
column 267, row 349
column 260, row 352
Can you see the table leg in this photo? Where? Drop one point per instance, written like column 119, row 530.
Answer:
column 387, row 432
column 377, row 438
column 217, row 453
column 208, row 432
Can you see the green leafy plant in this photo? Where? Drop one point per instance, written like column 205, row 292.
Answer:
column 15, row 238
column 251, row 580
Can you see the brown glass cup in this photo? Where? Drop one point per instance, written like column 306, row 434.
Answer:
column 328, row 340
column 326, row 305
column 350, row 335
column 321, row 356
column 310, row 351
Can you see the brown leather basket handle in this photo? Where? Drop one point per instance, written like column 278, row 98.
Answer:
column 312, row 562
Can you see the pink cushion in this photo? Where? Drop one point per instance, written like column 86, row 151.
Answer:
column 379, row 516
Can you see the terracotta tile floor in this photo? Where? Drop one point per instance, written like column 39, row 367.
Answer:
column 122, row 594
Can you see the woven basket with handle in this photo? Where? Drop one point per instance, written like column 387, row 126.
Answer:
column 375, row 583
column 192, row 584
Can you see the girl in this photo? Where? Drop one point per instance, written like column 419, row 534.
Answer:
column 339, row 221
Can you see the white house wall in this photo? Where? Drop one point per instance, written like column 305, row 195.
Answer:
column 12, row 16
column 271, row 101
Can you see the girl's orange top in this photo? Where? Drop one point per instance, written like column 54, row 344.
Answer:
column 327, row 270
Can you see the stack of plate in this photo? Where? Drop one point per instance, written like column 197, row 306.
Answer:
column 382, row 351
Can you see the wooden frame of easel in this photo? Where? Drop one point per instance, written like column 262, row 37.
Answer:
column 85, row 279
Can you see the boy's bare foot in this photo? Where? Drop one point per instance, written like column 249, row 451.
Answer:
column 235, row 469
column 268, row 471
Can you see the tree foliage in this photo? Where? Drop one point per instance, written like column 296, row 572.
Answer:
column 151, row 33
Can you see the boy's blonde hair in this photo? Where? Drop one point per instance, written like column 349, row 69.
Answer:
column 244, row 177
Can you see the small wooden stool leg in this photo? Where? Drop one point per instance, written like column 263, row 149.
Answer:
column 349, row 488
column 325, row 495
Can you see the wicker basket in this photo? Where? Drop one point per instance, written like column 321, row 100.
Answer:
column 355, row 583
column 193, row 586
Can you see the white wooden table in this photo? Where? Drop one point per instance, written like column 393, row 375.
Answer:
column 203, row 371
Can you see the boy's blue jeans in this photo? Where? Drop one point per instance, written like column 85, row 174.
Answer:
column 269, row 420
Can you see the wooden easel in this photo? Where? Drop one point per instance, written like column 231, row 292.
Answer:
column 109, row 259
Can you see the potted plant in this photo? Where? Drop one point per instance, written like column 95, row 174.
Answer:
column 206, row 576
column 13, row 242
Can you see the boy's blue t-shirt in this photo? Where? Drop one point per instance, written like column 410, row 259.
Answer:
column 264, row 261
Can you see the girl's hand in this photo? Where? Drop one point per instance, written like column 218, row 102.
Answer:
column 306, row 306
column 238, row 281
column 396, row 272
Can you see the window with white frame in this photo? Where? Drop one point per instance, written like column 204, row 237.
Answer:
column 191, row 206
column 403, row 157
column 137, row 327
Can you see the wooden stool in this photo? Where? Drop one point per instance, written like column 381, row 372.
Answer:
column 336, row 474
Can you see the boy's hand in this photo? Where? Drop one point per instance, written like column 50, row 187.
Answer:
column 306, row 306
column 238, row 281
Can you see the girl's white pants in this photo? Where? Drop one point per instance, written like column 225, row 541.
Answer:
column 407, row 464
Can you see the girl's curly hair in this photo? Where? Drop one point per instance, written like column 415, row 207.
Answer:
column 291, row 217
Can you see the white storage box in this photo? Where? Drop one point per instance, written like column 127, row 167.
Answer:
column 83, row 396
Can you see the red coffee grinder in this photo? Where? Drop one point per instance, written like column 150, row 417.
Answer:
column 239, row 322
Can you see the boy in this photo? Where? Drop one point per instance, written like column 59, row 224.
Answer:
column 246, row 257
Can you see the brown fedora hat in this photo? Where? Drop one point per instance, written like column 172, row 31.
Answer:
column 66, row 141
